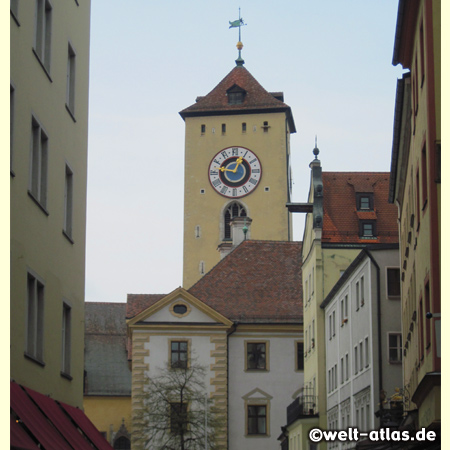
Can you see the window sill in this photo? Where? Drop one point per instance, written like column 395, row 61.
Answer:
column 42, row 65
column 15, row 18
column 395, row 362
column 38, row 203
column 68, row 237
column 66, row 376
column 34, row 359
column 256, row 370
column 71, row 113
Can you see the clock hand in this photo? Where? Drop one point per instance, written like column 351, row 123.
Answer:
column 238, row 162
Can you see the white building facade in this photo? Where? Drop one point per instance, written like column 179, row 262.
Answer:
column 363, row 342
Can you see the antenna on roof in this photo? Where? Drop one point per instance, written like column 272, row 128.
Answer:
column 238, row 24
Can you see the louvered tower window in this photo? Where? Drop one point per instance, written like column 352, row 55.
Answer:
column 233, row 210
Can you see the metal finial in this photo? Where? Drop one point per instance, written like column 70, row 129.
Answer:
column 245, row 229
column 238, row 24
column 316, row 150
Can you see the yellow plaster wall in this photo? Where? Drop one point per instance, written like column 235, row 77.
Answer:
column 105, row 412
column 271, row 220
column 37, row 241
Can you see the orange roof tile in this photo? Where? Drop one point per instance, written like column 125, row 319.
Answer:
column 341, row 218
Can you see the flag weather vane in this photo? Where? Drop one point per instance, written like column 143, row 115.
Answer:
column 238, row 24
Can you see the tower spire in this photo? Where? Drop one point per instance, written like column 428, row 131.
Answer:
column 238, row 24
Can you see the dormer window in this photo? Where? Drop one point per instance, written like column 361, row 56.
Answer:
column 235, row 95
column 364, row 201
column 367, row 229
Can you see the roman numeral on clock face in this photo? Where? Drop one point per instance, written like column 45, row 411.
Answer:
column 235, row 151
column 224, row 190
column 216, row 182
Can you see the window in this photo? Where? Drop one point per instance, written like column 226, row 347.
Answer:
column 203, row 129
column 313, row 339
column 334, row 323
column 357, row 295
column 178, row 417
column 421, row 340
column 364, row 201
column 300, row 356
column 266, row 127
column 424, row 177
column 256, row 419
column 70, row 94
column 66, row 339
column 362, row 291
column 427, row 321
column 233, row 210
column 330, row 327
column 367, row 228
column 39, row 155
column 35, row 318
column 179, row 354
column 417, row 199
column 393, row 282
column 122, row 443
column 342, row 371
column 236, row 95
column 43, row 32
column 244, row 127
column 356, row 359
column 361, row 356
column 11, row 124
column 395, row 348
column 346, row 367
column 224, row 128
column 344, row 309
column 366, row 345
column 68, row 202
column 422, row 55
column 256, row 356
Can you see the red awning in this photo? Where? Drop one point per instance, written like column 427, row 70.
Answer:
column 54, row 425
column 60, row 420
column 19, row 438
column 87, row 427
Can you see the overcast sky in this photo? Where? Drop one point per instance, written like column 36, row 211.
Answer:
column 149, row 60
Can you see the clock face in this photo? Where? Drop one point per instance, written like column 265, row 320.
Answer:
column 235, row 172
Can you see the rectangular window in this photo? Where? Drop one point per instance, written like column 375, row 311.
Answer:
column 244, row 127
column 35, row 318
column 427, row 321
column 178, row 417
column 367, row 228
column 418, row 199
column 257, row 419
column 68, row 202
column 395, row 347
column 202, row 129
column 393, row 282
column 70, row 94
column 313, row 339
column 356, row 359
column 366, row 345
column 361, row 356
column 422, row 55
column 421, row 340
column 344, row 309
column 334, row 323
column 224, row 128
column 11, row 124
column 43, row 32
column 424, row 177
column 39, row 156
column 346, row 367
column 357, row 296
column 364, row 201
column 179, row 354
column 300, row 356
column 66, row 339
column 342, row 371
column 256, row 356
column 362, row 291
column 330, row 326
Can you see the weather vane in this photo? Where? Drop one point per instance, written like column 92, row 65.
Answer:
column 238, row 24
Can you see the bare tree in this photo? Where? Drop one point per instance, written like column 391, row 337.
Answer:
column 178, row 413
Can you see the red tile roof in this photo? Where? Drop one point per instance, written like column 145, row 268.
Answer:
column 341, row 218
column 260, row 281
column 256, row 99
column 136, row 303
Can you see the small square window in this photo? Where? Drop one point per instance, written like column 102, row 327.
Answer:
column 367, row 228
column 364, row 201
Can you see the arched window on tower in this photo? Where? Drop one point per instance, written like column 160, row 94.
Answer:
column 122, row 443
column 234, row 209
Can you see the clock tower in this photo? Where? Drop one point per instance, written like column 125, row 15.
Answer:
column 237, row 165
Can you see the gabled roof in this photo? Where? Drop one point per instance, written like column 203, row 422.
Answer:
column 256, row 100
column 105, row 353
column 341, row 218
column 136, row 303
column 258, row 282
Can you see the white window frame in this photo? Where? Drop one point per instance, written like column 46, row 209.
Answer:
column 398, row 347
column 68, row 202
column 38, row 163
column 66, row 338
column 43, row 33
column 34, row 345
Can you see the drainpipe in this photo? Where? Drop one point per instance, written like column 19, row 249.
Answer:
column 233, row 329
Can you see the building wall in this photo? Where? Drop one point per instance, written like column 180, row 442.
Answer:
column 38, row 244
column 275, row 387
column 108, row 414
column 271, row 220
column 418, row 199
